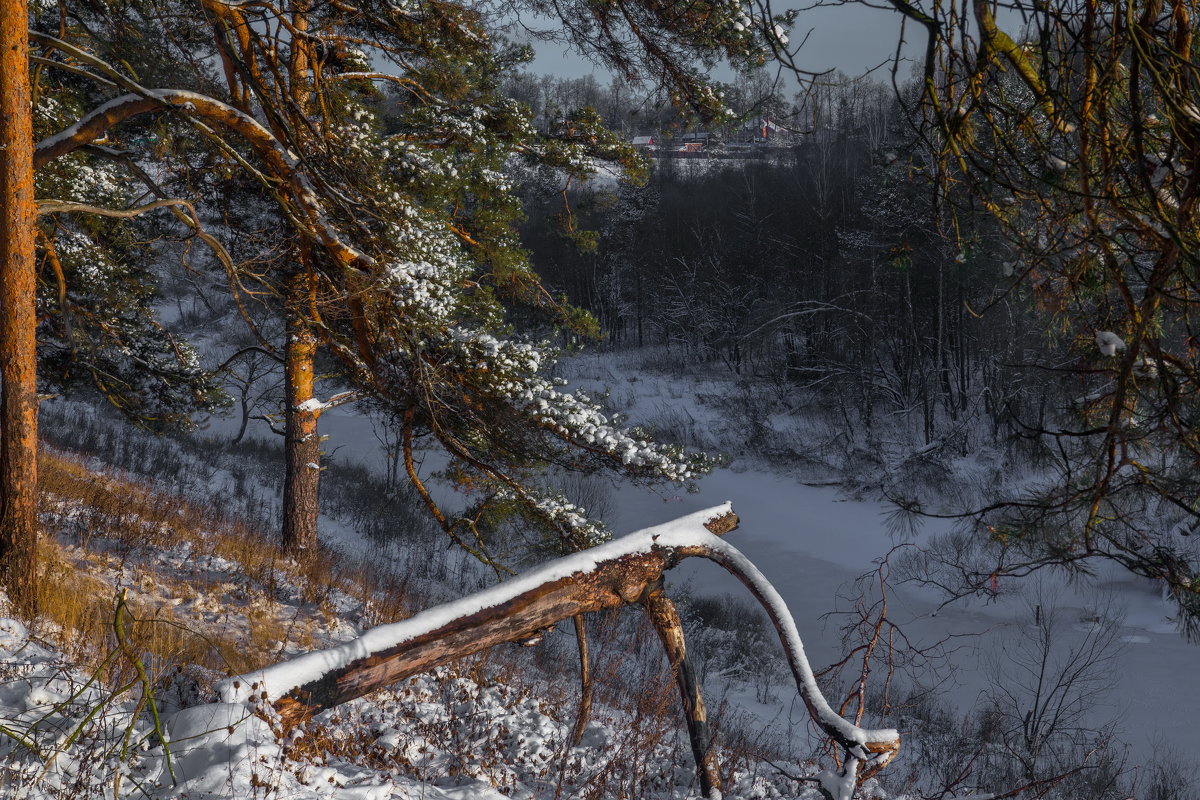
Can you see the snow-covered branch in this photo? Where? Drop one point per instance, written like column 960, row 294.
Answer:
column 281, row 163
column 616, row 573
column 313, row 405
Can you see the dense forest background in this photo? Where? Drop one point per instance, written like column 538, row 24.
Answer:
column 825, row 269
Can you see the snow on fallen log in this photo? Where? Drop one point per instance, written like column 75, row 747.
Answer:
column 620, row 572
column 652, row 545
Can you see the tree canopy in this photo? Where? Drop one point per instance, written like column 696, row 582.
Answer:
column 386, row 239
column 1074, row 130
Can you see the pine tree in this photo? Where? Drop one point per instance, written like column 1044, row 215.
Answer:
column 18, row 367
column 97, row 327
column 400, row 256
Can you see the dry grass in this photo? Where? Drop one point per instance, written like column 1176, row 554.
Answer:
column 112, row 529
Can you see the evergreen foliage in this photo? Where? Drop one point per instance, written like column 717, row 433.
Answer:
column 377, row 154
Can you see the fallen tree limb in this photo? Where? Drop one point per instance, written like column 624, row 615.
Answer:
column 621, row 572
column 867, row 751
column 665, row 619
column 614, row 574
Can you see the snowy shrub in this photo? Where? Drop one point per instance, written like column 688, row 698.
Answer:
column 1170, row 776
column 731, row 641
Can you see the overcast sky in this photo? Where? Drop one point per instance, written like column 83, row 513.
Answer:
column 852, row 38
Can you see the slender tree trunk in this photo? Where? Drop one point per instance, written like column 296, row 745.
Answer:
column 302, row 443
column 244, row 404
column 18, row 313
column 665, row 618
column 586, row 685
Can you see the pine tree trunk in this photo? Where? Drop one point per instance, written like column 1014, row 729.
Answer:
column 18, row 313
column 302, row 443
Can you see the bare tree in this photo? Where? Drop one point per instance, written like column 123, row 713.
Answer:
column 1042, row 687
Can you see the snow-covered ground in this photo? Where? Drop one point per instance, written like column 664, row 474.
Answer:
column 813, row 543
column 454, row 733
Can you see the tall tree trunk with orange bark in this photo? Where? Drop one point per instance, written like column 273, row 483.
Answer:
column 18, row 312
column 302, row 445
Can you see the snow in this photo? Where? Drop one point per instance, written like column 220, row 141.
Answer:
column 52, row 141
column 319, row 405
column 311, row 404
column 210, row 742
column 259, row 136
column 808, row 545
column 459, row 739
column 813, row 542
column 1109, row 343
column 1057, row 164
column 276, row 681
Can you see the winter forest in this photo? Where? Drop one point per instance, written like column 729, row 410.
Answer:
column 382, row 417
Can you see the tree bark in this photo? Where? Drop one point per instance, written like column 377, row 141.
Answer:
column 18, row 313
column 610, row 584
column 665, row 618
column 302, row 443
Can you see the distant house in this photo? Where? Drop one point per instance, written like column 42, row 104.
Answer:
column 764, row 131
column 644, row 141
column 700, row 137
column 691, row 147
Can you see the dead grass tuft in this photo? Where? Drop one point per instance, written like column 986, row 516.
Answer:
column 204, row 589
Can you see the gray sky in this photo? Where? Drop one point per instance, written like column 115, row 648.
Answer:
column 852, row 38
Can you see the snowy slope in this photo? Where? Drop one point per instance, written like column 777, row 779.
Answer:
column 814, row 543
column 457, row 737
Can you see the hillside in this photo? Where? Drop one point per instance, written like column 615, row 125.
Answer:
column 149, row 598
column 209, row 595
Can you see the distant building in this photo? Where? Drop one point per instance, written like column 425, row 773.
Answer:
column 644, row 141
column 764, row 131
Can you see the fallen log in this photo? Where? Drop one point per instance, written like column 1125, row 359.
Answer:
column 621, row 572
column 600, row 578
